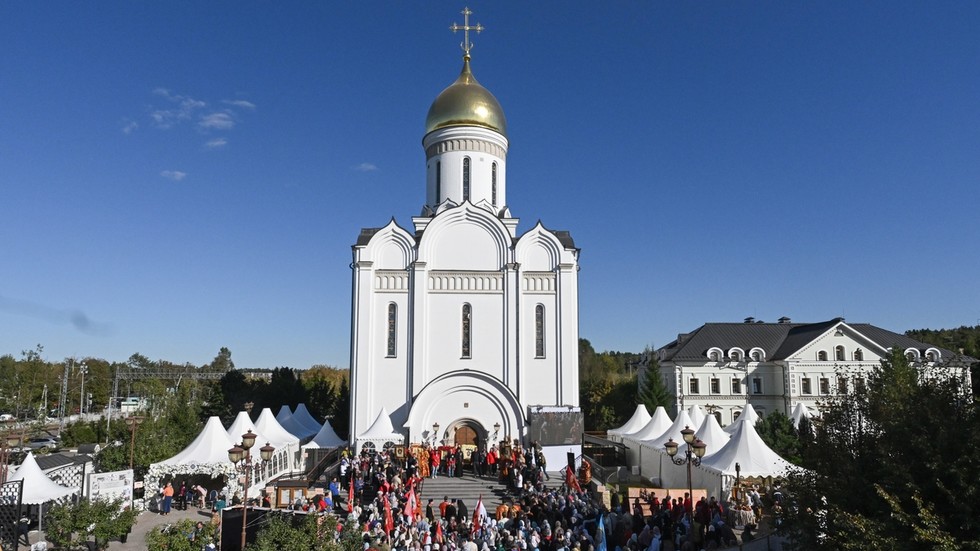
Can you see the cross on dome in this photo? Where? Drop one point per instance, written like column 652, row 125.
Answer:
column 466, row 45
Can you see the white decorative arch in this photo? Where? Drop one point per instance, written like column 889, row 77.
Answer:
column 715, row 354
column 933, row 355
column 488, row 401
column 757, row 354
column 538, row 250
column 391, row 248
column 912, row 354
column 465, row 237
column 736, row 354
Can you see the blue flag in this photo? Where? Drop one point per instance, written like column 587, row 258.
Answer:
column 600, row 536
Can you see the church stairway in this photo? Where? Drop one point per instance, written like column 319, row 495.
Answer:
column 470, row 488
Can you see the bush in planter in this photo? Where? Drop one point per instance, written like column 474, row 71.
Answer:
column 181, row 536
column 69, row 525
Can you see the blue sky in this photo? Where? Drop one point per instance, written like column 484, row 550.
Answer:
column 180, row 176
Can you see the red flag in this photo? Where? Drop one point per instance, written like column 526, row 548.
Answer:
column 479, row 513
column 389, row 521
column 410, row 506
column 438, row 532
column 571, row 480
column 350, row 496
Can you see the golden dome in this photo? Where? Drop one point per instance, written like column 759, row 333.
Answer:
column 466, row 103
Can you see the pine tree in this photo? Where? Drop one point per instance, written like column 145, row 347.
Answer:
column 652, row 391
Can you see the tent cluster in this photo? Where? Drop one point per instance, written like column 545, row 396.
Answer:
column 208, row 453
column 737, row 444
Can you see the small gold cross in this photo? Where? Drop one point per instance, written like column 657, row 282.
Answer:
column 466, row 45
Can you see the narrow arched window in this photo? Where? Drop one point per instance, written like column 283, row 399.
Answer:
column 438, row 182
column 392, row 330
column 467, row 330
column 466, row 178
column 539, row 331
column 493, row 184
column 839, row 353
column 822, row 356
column 859, row 355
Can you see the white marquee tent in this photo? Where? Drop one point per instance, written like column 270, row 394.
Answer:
column 639, row 419
column 206, row 455
column 290, row 423
column 38, row 489
column 302, row 415
column 380, row 433
column 713, row 436
column 746, row 448
column 799, row 412
column 325, row 439
column 749, row 415
column 696, row 414
column 657, row 425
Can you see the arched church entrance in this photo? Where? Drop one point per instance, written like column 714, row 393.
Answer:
column 468, row 436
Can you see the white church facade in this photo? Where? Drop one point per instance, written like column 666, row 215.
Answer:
column 461, row 326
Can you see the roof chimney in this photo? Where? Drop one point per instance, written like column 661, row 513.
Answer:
column 784, row 319
column 749, row 319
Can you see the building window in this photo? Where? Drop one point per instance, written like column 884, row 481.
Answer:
column 467, row 330
column 694, row 387
column 859, row 384
column 539, row 331
column 824, row 385
column 736, row 386
column 392, row 329
column 805, row 384
column 756, row 355
column 714, row 355
column 466, row 178
column 859, row 355
column 715, row 385
column 438, row 182
column 839, row 353
column 736, row 415
column 493, row 184
column 822, row 356
column 756, row 385
column 841, row 385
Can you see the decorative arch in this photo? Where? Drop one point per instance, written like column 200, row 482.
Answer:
column 736, row 354
column 489, row 400
column 912, row 354
column 465, row 237
column 933, row 355
column 391, row 248
column 715, row 354
column 538, row 250
column 757, row 354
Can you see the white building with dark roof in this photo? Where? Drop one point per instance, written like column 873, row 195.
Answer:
column 723, row 367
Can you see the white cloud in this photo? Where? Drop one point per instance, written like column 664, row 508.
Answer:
column 241, row 103
column 182, row 111
column 129, row 126
column 366, row 167
column 174, row 175
column 217, row 121
column 216, row 143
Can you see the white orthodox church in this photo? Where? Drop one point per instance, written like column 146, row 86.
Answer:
column 462, row 328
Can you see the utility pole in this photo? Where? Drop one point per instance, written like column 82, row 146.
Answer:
column 69, row 364
column 83, row 369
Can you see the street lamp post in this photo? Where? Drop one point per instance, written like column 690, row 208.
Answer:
column 9, row 443
column 435, row 433
column 241, row 457
column 693, row 452
column 133, row 421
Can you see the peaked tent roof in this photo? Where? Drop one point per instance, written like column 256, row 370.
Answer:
column 640, row 418
column 656, row 426
column 242, row 424
column 302, row 415
column 711, row 433
column 326, row 438
column 272, row 432
column 288, row 421
column 38, row 488
column 747, row 449
column 696, row 414
column 799, row 412
column 673, row 431
column 381, row 429
column 210, row 446
column 748, row 415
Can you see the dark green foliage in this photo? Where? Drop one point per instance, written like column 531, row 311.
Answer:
column 896, row 463
column 653, row 391
column 67, row 525
column 184, row 535
column 777, row 431
column 962, row 338
column 311, row 533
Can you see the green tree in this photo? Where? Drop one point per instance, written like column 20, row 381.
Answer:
column 892, row 466
column 185, row 535
column 68, row 525
column 652, row 391
column 778, row 432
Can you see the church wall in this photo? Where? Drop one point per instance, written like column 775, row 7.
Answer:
column 444, row 335
column 540, row 378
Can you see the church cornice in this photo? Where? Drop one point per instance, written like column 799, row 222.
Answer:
column 465, row 144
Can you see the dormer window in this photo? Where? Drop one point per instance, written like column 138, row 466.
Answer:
column 859, row 355
column 912, row 355
column 933, row 355
column 714, row 354
column 736, row 354
column 757, row 354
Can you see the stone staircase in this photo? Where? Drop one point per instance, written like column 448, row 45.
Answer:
column 469, row 488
